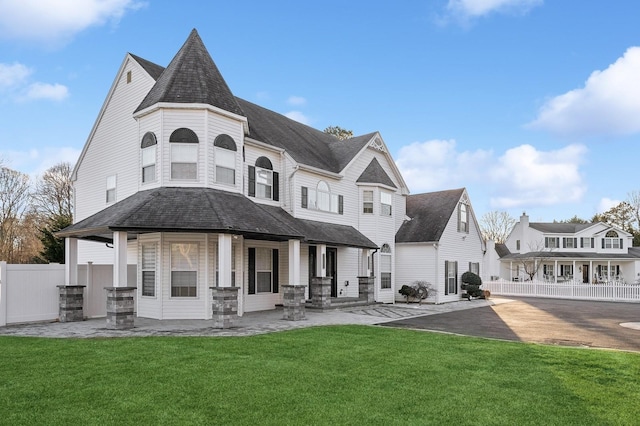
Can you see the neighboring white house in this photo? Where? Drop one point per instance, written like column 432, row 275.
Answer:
column 201, row 189
column 558, row 252
column 438, row 242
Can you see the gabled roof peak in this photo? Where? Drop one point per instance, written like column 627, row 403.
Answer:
column 192, row 77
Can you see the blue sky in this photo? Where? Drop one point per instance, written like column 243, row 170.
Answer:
column 531, row 105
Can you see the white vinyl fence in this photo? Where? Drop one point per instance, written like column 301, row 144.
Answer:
column 616, row 292
column 29, row 293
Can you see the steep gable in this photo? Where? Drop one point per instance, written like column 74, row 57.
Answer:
column 192, row 77
column 429, row 214
column 374, row 173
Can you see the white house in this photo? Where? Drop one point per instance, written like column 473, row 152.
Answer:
column 557, row 252
column 216, row 198
column 439, row 241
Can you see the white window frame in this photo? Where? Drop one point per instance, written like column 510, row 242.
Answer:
column 148, row 267
column 149, row 163
column 386, row 203
column 264, row 183
column 463, row 225
column 225, row 163
column 586, row 242
column 110, row 195
column 264, row 255
column 184, row 154
column 192, row 290
column 367, row 201
column 552, row 242
column 385, row 267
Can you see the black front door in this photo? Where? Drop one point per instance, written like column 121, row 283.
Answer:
column 332, row 269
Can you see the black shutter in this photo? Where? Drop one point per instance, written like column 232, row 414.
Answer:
column 446, row 277
column 593, row 243
column 575, row 243
column 252, row 181
column 581, row 243
column 276, row 186
column 340, row 204
column 621, row 240
column 470, row 266
column 275, row 263
column 252, row 271
column 456, row 272
column 564, row 242
column 304, row 198
column 603, row 243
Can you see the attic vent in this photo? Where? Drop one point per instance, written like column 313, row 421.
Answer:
column 149, row 139
column 128, row 77
column 377, row 144
column 226, row 142
column 183, row 135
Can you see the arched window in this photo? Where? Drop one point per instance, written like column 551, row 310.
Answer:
column 148, row 153
column 321, row 198
column 184, row 154
column 263, row 181
column 225, row 158
column 611, row 240
column 385, row 266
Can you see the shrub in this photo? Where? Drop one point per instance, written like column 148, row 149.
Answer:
column 471, row 278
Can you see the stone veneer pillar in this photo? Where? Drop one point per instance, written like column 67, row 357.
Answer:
column 366, row 289
column 224, row 306
column 293, row 302
column 321, row 292
column 120, row 307
column 70, row 303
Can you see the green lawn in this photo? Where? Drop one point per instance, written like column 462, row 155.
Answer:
column 326, row 375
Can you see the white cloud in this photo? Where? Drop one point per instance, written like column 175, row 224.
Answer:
column 34, row 161
column 435, row 165
column 54, row 92
column 606, row 203
column 53, row 21
column 298, row 116
column 608, row 104
column 466, row 9
column 13, row 75
column 296, row 100
column 525, row 176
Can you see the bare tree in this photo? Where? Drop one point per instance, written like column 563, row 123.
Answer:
column 633, row 198
column 496, row 226
column 14, row 204
column 532, row 261
column 53, row 192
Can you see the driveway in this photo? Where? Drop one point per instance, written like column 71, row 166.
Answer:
column 549, row 321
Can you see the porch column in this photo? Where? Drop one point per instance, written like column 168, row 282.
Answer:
column 608, row 271
column 293, row 294
column 573, row 270
column 321, row 264
column 120, row 297
column 70, row 295
column 224, row 296
column 321, row 292
column 591, row 274
column 555, row 271
column 364, row 263
column 366, row 289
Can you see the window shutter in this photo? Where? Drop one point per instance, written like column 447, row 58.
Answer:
column 455, row 265
column 557, row 242
column 621, row 240
column 252, row 271
column 275, row 271
column 564, row 242
column 575, row 243
column 470, row 266
column 304, row 199
column 468, row 225
column 340, row 204
column 252, row 181
column 581, row 242
column 459, row 217
column 276, row 186
column 603, row 243
column 593, row 243
column 446, row 277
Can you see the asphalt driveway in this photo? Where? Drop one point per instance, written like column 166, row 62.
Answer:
column 549, row 321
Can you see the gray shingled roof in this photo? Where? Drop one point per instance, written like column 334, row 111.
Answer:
column 192, row 77
column 152, row 69
column 208, row 210
column 374, row 173
column 429, row 213
column 502, row 250
column 559, row 228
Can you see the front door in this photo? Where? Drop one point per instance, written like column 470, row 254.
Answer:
column 585, row 274
column 332, row 269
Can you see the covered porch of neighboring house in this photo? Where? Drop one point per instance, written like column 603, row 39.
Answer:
column 210, row 254
column 587, row 268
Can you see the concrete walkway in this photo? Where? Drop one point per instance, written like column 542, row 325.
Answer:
column 249, row 324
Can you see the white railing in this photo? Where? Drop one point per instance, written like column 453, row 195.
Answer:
column 611, row 291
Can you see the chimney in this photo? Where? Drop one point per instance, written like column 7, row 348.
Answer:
column 524, row 231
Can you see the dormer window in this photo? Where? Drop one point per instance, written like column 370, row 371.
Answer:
column 148, row 151
column 225, row 159
column 263, row 181
column 184, row 154
column 611, row 241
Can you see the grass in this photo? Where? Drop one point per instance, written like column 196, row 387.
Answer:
column 325, row 375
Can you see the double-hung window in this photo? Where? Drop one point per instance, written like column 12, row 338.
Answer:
column 263, row 181
column 463, row 218
column 225, row 158
column 184, row 154
column 552, row 242
column 367, row 202
column 111, row 189
column 451, row 277
column 148, row 150
column 385, row 266
column 148, row 266
column 184, row 269
column 385, row 203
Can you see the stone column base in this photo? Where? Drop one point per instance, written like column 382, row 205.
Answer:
column 321, row 292
column 224, row 306
column 366, row 289
column 293, row 302
column 70, row 303
column 120, row 307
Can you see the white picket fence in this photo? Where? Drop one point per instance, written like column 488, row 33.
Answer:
column 29, row 293
column 616, row 292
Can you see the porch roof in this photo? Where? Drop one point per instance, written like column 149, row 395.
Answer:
column 206, row 210
column 632, row 254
